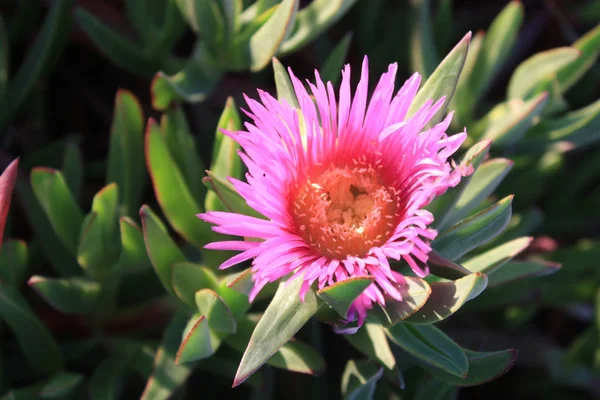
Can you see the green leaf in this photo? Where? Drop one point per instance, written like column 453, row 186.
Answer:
column 433, row 389
column 589, row 45
column 106, row 381
column 13, row 262
column 448, row 297
column 431, row 346
column 198, row 342
column 483, row 367
column 371, row 340
column 73, row 169
column 126, row 151
column 341, row 295
column 538, row 68
column 242, row 282
column 283, row 84
column 68, row 295
column 443, row 24
column 474, row 231
column 230, row 199
column 99, row 242
column 443, row 80
column 463, row 100
column 206, row 19
column 167, row 375
column 162, row 251
column 50, row 39
column 134, row 256
column 284, row 316
column 414, row 296
column 188, row 278
column 312, row 21
column 441, row 267
column 61, row 385
column 237, row 302
column 517, row 270
column 441, row 205
column 498, row 256
column 265, row 43
column 333, row 64
column 59, row 205
column 219, row 317
column 25, row 393
column 359, row 380
column 423, row 52
column 36, row 342
column 496, row 47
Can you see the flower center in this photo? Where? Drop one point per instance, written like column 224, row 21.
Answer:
column 345, row 211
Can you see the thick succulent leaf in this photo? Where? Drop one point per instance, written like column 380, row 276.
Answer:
column 51, row 37
column 538, row 68
column 448, row 297
column 312, row 21
column 61, row 385
column 134, row 256
column 284, row 316
column 205, row 18
column 7, row 184
column 218, row 315
column 115, row 46
column 171, row 191
column 463, row 100
column 498, row 256
column 423, row 52
column 482, row 184
column 198, row 342
column 589, row 45
column 162, row 250
column 520, row 225
column 431, row 346
column 414, row 296
column 167, row 375
column 59, row 205
column 283, row 84
column 188, row 278
column 372, row 342
column 517, row 270
column 106, row 381
column 496, row 47
column 36, row 342
column 237, row 302
column 359, row 380
column 474, row 231
column 68, row 295
column 13, row 262
column 507, row 123
column 483, row 367
column 126, row 151
column 441, row 205
column 443, row 80
column 441, row 267
column 341, row 295
column 442, row 25
column 231, row 200
column 99, row 241
column 265, row 43
column 72, row 168
column 333, row 64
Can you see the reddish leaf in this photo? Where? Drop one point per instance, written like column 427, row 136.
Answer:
column 7, row 183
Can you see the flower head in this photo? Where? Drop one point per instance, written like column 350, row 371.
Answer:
column 342, row 184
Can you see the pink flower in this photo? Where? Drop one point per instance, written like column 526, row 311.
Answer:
column 342, row 185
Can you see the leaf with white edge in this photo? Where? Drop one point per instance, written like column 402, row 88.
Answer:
column 589, row 45
column 372, row 342
column 312, row 20
column 219, row 317
column 483, row 367
column 359, row 380
column 498, row 256
column 198, row 342
column 36, row 342
column 518, row 270
column 442, row 267
column 474, row 231
column 167, row 375
column 61, row 385
column 13, row 262
column 283, row 84
column 187, row 278
column 341, row 295
column 228, row 196
column 443, row 80
column 267, row 41
column 538, row 68
column 284, row 316
column 423, row 55
column 59, row 205
column 162, row 250
column 448, row 297
column 414, row 296
column 333, row 64
column 440, row 207
column 68, row 295
column 431, row 346
column 482, row 184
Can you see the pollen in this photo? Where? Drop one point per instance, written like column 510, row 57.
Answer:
column 345, row 211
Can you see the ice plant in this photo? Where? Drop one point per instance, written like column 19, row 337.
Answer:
column 342, row 184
